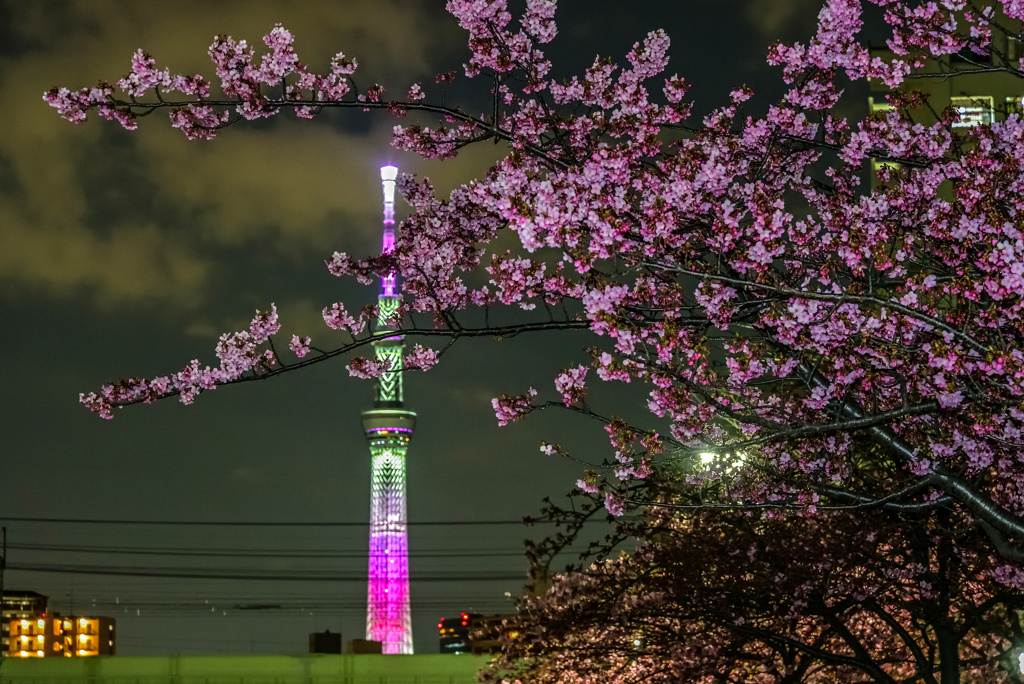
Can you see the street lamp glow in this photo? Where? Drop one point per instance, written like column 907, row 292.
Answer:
column 736, row 459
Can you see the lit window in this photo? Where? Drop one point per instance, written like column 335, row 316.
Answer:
column 973, row 111
column 1015, row 105
column 1013, row 48
column 878, row 106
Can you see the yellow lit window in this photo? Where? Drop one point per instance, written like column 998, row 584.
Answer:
column 973, row 111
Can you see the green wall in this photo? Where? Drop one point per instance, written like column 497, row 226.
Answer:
column 298, row 669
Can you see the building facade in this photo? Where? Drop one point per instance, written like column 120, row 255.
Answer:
column 54, row 635
column 29, row 631
column 19, row 605
column 973, row 85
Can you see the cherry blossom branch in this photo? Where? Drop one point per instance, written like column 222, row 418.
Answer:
column 265, row 370
column 489, row 129
column 888, row 502
column 994, row 516
column 843, row 298
column 820, row 654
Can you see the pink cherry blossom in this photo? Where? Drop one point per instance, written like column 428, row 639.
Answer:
column 299, row 345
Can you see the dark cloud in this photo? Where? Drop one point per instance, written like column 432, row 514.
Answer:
column 785, row 20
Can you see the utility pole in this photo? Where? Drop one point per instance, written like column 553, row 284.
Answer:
column 3, row 564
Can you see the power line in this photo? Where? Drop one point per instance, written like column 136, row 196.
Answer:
column 252, row 553
column 236, row 523
column 273, row 607
column 186, row 573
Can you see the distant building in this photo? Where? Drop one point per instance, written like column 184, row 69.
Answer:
column 325, row 642
column 83, row 636
column 365, row 647
column 966, row 82
column 28, row 631
column 57, row 636
column 454, row 633
column 19, row 605
column 475, row 633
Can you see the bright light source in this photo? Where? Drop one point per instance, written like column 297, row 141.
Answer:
column 388, row 173
column 734, row 460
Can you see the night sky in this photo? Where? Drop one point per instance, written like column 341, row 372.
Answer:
column 128, row 254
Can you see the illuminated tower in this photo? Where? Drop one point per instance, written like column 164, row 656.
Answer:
column 388, row 430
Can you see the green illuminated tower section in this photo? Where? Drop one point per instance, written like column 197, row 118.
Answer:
column 388, row 427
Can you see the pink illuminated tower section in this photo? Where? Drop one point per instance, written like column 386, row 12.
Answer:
column 388, row 428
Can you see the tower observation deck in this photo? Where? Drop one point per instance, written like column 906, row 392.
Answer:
column 388, row 427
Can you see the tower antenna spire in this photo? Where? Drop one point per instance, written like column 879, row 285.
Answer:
column 388, row 428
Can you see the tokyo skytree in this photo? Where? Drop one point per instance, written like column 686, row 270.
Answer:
column 388, row 427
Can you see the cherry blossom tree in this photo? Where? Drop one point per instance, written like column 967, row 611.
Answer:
column 812, row 345
column 740, row 597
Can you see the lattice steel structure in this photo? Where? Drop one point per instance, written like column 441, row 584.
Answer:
column 388, row 429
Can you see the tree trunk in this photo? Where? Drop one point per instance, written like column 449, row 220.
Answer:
column 949, row 656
